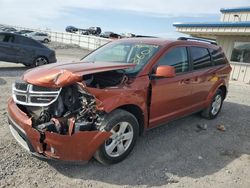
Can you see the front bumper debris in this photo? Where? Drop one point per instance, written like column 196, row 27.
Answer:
column 80, row 146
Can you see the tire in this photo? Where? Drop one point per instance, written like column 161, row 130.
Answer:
column 40, row 61
column 125, row 129
column 46, row 40
column 215, row 106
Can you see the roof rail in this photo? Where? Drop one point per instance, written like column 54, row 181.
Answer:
column 144, row 36
column 198, row 39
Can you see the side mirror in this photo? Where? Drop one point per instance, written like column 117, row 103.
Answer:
column 165, row 71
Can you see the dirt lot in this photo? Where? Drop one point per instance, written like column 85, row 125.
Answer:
column 177, row 155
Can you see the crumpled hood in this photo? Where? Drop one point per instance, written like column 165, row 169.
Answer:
column 62, row 74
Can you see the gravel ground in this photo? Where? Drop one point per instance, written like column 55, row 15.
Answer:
column 177, row 155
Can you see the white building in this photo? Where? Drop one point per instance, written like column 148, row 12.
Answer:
column 232, row 33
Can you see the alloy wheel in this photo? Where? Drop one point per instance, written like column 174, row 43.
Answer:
column 216, row 105
column 120, row 140
column 40, row 61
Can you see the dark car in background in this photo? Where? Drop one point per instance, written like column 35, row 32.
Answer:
column 109, row 34
column 20, row 49
column 96, row 31
column 92, row 31
column 71, row 29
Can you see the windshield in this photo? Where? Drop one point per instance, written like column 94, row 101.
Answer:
column 133, row 53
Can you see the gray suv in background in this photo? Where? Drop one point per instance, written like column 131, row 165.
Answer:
column 20, row 49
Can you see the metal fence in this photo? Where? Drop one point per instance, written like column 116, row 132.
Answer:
column 84, row 41
column 240, row 72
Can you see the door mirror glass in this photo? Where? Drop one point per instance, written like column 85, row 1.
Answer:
column 165, row 71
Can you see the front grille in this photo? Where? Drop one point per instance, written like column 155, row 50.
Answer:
column 20, row 85
column 39, row 88
column 21, row 98
column 30, row 95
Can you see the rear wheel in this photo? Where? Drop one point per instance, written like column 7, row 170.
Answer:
column 125, row 130
column 40, row 61
column 214, row 108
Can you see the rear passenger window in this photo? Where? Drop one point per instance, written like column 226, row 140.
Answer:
column 217, row 56
column 6, row 38
column 201, row 58
column 177, row 58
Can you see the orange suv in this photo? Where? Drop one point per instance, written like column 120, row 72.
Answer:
column 100, row 105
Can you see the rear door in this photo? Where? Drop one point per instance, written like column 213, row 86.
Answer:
column 171, row 97
column 28, row 48
column 204, row 73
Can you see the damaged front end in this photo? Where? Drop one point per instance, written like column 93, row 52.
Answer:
column 64, row 110
column 60, row 123
column 53, row 113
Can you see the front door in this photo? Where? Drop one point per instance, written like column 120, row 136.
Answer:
column 171, row 97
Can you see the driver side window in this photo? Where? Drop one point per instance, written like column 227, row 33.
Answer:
column 178, row 58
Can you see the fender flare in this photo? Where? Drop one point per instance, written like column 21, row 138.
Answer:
column 213, row 90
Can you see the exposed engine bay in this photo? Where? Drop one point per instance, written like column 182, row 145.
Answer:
column 105, row 79
column 74, row 108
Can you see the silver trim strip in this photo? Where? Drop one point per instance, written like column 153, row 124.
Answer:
column 16, row 125
column 19, row 139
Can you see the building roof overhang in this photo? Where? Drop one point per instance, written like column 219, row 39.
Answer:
column 213, row 24
column 237, row 9
column 211, row 30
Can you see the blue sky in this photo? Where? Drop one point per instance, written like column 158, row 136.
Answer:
column 135, row 16
column 130, row 22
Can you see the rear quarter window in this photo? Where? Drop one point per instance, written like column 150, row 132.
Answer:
column 201, row 58
column 218, row 56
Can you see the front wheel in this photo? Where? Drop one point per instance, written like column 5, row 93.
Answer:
column 125, row 130
column 214, row 108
